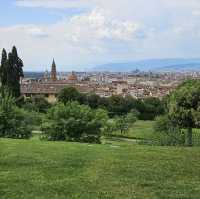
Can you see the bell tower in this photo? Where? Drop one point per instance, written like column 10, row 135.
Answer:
column 53, row 71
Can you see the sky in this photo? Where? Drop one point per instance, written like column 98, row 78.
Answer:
column 81, row 34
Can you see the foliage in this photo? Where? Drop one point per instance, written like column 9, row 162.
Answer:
column 73, row 122
column 11, row 70
column 14, row 122
column 38, row 104
column 69, row 94
column 149, row 108
column 3, row 68
column 123, row 123
column 110, row 126
column 93, row 100
column 167, row 132
column 184, row 107
column 116, row 105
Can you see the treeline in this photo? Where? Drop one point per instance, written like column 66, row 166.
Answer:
column 86, row 117
column 116, row 105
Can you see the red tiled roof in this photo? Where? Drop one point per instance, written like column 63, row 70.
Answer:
column 51, row 88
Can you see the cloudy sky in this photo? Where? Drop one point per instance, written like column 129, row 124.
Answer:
column 83, row 33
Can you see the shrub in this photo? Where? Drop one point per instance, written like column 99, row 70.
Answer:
column 110, row 126
column 73, row 122
column 167, row 132
column 69, row 94
column 14, row 122
column 38, row 104
column 123, row 123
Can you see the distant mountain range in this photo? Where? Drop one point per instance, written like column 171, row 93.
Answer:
column 152, row 65
column 37, row 75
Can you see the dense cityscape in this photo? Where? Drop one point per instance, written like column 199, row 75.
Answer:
column 138, row 84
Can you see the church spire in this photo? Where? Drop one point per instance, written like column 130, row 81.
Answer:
column 53, row 71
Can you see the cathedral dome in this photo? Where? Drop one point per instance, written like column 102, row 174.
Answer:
column 72, row 77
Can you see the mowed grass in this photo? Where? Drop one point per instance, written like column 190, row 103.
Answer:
column 139, row 130
column 34, row 169
column 144, row 131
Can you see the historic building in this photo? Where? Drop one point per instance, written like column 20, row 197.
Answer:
column 53, row 71
column 49, row 86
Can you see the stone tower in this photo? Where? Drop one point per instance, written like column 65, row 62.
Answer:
column 53, row 71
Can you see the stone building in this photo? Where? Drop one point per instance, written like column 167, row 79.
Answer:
column 50, row 86
column 53, row 71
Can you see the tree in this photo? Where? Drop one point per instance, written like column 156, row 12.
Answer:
column 15, row 65
column 74, row 122
column 150, row 108
column 69, row 94
column 167, row 131
column 93, row 100
column 3, row 68
column 116, row 105
column 38, row 104
column 122, row 124
column 125, row 122
column 184, row 107
column 110, row 126
column 11, row 71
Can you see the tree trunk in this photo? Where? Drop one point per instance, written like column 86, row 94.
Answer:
column 189, row 137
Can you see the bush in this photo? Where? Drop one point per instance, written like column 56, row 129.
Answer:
column 123, row 123
column 14, row 122
column 38, row 104
column 167, row 132
column 69, row 94
column 73, row 122
column 110, row 126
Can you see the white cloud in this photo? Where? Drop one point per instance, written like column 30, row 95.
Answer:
column 109, row 30
column 96, row 25
column 36, row 31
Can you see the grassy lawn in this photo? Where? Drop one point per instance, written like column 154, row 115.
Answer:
column 34, row 169
column 144, row 130
column 140, row 130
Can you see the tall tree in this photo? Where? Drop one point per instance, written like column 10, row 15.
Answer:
column 17, row 72
column 11, row 71
column 3, row 68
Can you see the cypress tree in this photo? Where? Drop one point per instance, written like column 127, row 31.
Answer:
column 3, row 68
column 11, row 71
column 17, row 68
